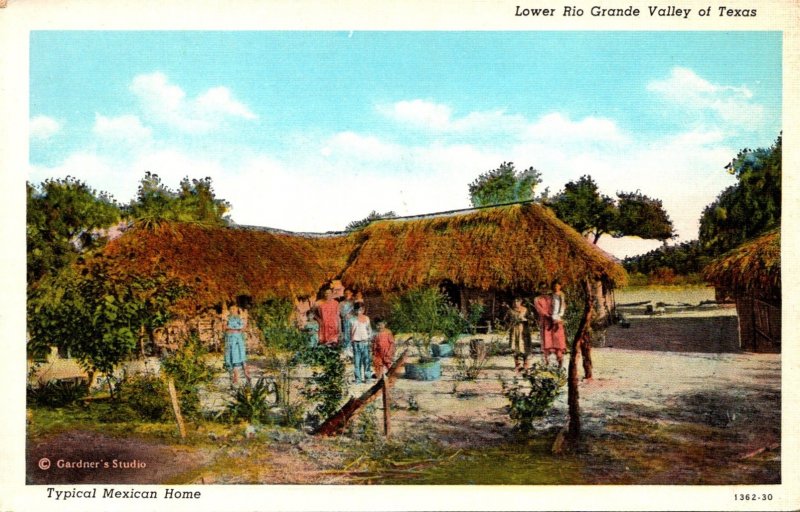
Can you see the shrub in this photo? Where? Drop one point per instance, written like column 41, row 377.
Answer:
column 425, row 311
column 326, row 388
column 527, row 404
column 147, row 395
column 366, row 427
column 469, row 368
column 250, row 403
column 56, row 393
column 189, row 369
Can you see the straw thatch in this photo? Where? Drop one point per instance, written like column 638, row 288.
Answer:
column 512, row 247
column 753, row 268
column 219, row 264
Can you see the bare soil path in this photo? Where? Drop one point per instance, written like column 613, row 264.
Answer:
column 673, row 402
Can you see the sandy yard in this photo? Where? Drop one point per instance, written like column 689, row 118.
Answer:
column 673, row 401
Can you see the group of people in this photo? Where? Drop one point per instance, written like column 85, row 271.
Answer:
column 549, row 314
column 344, row 324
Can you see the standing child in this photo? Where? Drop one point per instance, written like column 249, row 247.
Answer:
column 361, row 334
column 312, row 329
column 383, row 350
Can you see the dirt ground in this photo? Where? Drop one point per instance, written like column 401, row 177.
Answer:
column 673, row 401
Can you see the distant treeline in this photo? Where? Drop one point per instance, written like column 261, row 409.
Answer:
column 740, row 212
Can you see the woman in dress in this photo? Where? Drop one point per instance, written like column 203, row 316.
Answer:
column 235, row 349
column 551, row 309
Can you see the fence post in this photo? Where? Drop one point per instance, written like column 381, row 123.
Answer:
column 387, row 427
column 176, row 408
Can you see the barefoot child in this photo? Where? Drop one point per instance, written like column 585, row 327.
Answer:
column 383, row 350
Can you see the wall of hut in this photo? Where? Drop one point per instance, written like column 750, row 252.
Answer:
column 759, row 323
column 208, row 326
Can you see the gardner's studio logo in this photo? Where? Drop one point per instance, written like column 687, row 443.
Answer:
column 45, row 464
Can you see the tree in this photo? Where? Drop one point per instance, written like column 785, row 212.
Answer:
column 96, row 312
column 64, row 218
column 504, row 185
column 373, row 216
column 642, row 216
column 748, row 208
column 582, row 206
column 194, row 201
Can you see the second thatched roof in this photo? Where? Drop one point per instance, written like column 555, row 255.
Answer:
column 512, row 247
column 754, row 267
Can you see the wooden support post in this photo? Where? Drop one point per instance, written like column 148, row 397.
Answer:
column 387, row 404
column 581, row 337
column 337, row 423
column 586, row 353
column 176, row 408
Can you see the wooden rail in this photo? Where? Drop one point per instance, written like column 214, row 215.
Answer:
column 338, row 422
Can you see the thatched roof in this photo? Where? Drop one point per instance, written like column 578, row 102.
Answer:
column 754, row 267
column 220, row 263
column 508, row 247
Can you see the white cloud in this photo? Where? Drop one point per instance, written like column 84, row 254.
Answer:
column 699, row 97
column 219, row 100
column 127, row 128
column 361, row 147
column 419, row 113
column 167, row 103
column 43, row 127
column 558, row 128
column 437, row 117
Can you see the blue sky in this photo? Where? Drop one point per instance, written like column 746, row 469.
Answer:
column 309, row 130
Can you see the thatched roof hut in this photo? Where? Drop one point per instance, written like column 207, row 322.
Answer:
column 752, row 268
column 511, row 247
column 505, row 248
column 751, row 273
column 220, row 264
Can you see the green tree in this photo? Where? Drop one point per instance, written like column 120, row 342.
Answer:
column 373, row 216
column 582, row 206
column 96, row 312
column 504, row 185
column 194, row 201
column 748, row 208
column 64, row 218
column 642, row 216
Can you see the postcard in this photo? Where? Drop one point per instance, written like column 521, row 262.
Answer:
column 399, row 256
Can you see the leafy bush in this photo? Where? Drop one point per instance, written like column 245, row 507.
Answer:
column 189, row 369
column 148, row 396
column 476, row 310
column 326, row 388
column 250, row 403
column 274, row 319
column 425, row 311
column 56, row 393
column 529, row 403
column 469, row 368
column 286, row 348
column 366, row 428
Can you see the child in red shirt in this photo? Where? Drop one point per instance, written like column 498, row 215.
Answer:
column 382, row 350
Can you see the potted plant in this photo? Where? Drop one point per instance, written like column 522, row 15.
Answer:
column 426, row 313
